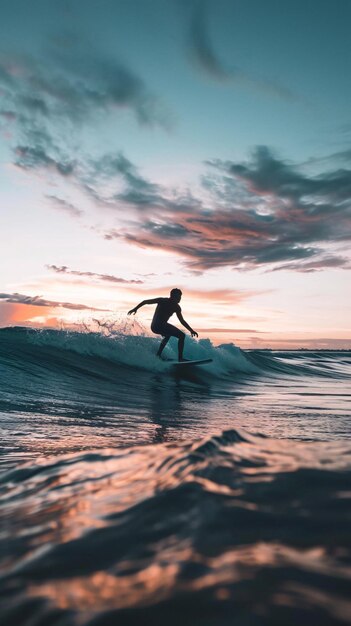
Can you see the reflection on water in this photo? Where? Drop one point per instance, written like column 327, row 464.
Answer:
column 165, row 409
column 232, row 527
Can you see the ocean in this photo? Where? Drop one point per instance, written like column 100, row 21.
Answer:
column 132, row 493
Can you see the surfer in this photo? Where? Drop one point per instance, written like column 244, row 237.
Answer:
column 160, row 326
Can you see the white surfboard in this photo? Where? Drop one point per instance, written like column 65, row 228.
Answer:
column 182, row 364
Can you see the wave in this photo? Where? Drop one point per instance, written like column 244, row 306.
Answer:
column 53, row 349
column 235, row 527
column 118, row 349
column 85, row 375
column 115, row 386
column 321, row 363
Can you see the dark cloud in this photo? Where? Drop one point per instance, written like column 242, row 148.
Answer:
column 19, row 298
column 267, row 174
column 318, row 265
column 39, row 150
column 341, row 155
column 29, row 157
column 137, row 190
column 200, row 44
column 48, row 101
column 113, row 181
column 75, row 83
column 202, row 52
column 9, row 116
column 222, row 238
column 63, row 205
column 109, row 278
column 265, row 212
column 96, row 82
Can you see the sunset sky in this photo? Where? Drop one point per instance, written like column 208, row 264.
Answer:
column 152, row 144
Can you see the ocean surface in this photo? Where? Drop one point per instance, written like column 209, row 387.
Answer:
column 134, row 493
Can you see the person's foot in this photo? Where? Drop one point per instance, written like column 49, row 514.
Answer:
column 182, row 360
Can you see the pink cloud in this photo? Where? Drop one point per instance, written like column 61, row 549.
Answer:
column 220, row 296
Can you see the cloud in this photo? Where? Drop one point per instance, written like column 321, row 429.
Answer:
column 113, row 181
column 63, row 269
column 267, row 174
column 115, row 167
column 200, row 45
column 46, row 102
column 74, row 88
column 218, row 296
column 18, row 298
column 264, row 212
column 93, row 82
column 320, row 264
column 220, row 239
column 203, row 54
column 9, row 116
column 28, row 157
column 63, row 205
column 229, row 330
column 74, row 83
column 261, row 213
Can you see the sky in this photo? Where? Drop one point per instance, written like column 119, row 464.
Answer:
column 152, row 144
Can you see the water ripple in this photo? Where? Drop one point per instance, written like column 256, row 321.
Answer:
column 236, row 527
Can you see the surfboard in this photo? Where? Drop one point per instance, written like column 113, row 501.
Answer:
column 189, row 363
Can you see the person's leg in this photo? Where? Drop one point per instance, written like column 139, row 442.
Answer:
column 162, row 345
column 168, row 330
column 181, row 347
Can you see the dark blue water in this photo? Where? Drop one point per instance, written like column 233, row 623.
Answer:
column 134, row 494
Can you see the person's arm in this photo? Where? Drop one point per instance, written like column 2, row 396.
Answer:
column 182, row 321
column 154, row 301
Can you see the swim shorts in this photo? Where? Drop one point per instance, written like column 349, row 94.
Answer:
column 167, row 330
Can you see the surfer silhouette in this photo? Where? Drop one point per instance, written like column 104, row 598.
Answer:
column 160, row 326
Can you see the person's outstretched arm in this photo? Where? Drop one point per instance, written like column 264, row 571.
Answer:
column 182, row 321
column 133, row 311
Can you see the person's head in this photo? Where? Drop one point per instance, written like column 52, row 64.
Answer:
column 176, row 295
